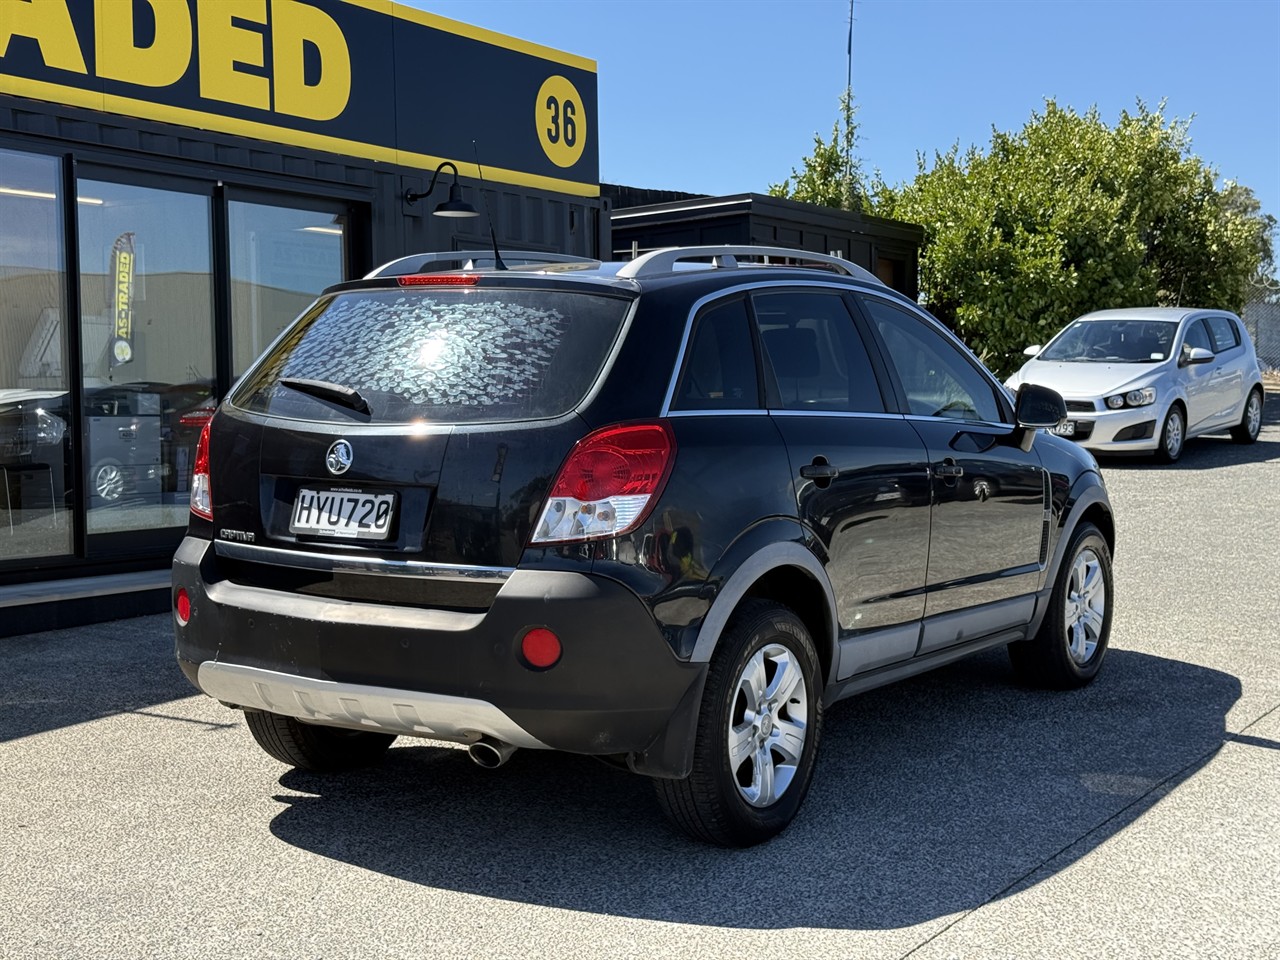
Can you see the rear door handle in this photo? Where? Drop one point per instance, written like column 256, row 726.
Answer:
column 819, row 471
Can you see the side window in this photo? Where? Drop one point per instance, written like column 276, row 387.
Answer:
column 1223, row 331
column 720, row 364
column 815, row 354
column 938, row 379
column 1197, row 336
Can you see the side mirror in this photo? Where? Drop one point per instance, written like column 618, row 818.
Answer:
column 1038, row 406
column 1196, row 355
column 1034, row 407
column 1032, row 351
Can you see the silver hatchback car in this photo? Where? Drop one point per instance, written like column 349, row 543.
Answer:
column 1150, row 378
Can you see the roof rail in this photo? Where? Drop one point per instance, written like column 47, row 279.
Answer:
column 466, row 260
column 725, row 257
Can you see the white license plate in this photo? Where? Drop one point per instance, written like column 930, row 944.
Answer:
column 1067, row 428
column 349, row 514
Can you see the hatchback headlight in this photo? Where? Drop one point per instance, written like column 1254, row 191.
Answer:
column 49, row 428
column 1134, row 398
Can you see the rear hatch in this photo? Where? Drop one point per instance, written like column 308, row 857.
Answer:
column 411, row 431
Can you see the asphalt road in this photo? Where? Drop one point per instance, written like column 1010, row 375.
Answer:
column 956, row 815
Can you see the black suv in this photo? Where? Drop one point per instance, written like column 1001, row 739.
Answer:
column 661, row 512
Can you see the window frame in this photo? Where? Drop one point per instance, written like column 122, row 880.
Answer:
column 686, row 357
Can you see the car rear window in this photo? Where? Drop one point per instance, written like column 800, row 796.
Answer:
column 453, row 356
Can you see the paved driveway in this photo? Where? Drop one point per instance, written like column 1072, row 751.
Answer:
column 955, row 815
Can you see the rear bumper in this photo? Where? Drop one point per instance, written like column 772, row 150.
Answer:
column 438, row 673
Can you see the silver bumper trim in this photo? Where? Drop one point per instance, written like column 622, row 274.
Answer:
column 357, row 707
column 348, row 563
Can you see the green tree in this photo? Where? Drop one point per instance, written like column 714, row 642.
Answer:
column 831, row 176
column 1070, row 215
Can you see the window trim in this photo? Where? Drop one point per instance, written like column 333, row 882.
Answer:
column 686, row 357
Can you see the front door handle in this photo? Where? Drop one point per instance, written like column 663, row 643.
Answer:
column 948, row 468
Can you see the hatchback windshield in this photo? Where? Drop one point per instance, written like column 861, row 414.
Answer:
column 1113, row 341
column 454, row 356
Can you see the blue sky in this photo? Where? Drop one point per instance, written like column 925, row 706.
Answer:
column 724, row 96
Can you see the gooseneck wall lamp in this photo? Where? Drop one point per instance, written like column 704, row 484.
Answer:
column 455, row 206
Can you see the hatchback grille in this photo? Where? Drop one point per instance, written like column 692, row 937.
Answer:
column 1081, row 406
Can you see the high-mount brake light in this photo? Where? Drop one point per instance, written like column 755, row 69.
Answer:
column 201, row 492
column 608, row 484
column 438, row 280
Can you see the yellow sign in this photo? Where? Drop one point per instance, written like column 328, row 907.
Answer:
column 562, row 123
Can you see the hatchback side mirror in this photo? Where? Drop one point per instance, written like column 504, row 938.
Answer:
column 1032, row 351
column 1196, row 355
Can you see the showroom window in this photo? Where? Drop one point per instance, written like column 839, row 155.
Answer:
column 147, row 333
column 281, row 257
column 35, row 452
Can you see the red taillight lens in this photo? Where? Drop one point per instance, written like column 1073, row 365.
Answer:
column 438, row 280
column 182, row 605
column 540, row 648
column 201, row 492
column 608, row 484
column 197, row 417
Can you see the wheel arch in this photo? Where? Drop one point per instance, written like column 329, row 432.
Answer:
column 787, row 573
column 1088, row 503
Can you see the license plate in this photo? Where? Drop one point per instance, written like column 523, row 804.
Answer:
column 349, row 514
column 1067, row 428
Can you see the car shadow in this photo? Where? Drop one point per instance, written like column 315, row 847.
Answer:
column 1214, row 450
column 931, row 796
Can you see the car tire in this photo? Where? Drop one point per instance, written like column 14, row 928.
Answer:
column 107, row 480
column 1068, row 649
column 1173, row 435
column 757, row 733
column 1251, row 421
column 315, row 748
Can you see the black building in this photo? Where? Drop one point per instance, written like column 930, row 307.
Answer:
column 179, row 179
column 646, row 220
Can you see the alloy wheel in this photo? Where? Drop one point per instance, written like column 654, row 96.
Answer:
column 1086, row 606
column 1253, row 414
column 767, row 725
column 1173, row 434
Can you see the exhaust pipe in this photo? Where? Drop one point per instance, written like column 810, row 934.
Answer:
column 490, row 753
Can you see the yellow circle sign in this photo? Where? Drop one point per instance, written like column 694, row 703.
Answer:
column 562, row 123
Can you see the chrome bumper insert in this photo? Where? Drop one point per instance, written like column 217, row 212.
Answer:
column 357, row 707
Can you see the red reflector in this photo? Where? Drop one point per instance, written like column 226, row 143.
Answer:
column 616, row 462
column 541, row 648
column 182, row 604
column 438, row 280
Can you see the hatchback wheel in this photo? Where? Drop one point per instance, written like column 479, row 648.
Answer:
column 757, row 733
column 107, row 480
column 1173, row 435
column 1072, row 641
column 1251, row 421
column 311, row 747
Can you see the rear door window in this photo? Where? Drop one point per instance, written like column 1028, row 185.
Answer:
column 445, row 355
column 815, row 354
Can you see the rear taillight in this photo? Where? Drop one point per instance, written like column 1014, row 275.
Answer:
column 608, row 484
column 201, row 494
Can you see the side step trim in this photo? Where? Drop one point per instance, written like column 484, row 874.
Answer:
column 355, row 706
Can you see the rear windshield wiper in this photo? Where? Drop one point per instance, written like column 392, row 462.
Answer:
column 347, row 396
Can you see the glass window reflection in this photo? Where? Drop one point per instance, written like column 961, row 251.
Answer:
column 147, row 347
column 281, row 258
column 35, row 455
